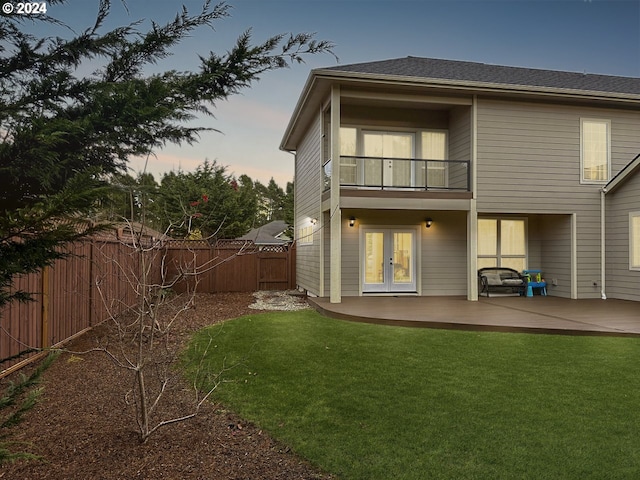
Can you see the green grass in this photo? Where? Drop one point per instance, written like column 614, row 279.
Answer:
column 377, row 402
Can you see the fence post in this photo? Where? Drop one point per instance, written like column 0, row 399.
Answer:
column 91, row 284
column 46, row 296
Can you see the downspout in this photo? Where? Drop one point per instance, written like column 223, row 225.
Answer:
column 295, row 203
column 335, row 215
column 472, row 214
column 603, row 265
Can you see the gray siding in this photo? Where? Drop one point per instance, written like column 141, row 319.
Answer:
column 308, row 186
column 351, row 257
column 529, row 162
column 459, row 145
column 554, row 235
column 444, row 255
column 621, row 282
column 379, row 117
column 441, row 249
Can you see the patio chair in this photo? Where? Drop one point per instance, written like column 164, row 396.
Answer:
column 501, row 280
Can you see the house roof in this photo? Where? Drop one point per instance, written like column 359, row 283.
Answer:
column 458, row 77
column 483, row 73
column 268, row 234
column 623, row 175
column 125, row 230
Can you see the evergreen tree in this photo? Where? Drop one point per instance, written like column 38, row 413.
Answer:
column 208, row 201
column 63, row 131
column 16, row 400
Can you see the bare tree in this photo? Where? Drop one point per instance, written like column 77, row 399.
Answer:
column 142, row 338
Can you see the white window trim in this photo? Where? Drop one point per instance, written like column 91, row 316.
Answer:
column 632, row 244
column 305, row 235
column 498, row 256
column 582, row 179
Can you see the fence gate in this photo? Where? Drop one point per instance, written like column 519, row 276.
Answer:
column 273, row 271
column 235, row 266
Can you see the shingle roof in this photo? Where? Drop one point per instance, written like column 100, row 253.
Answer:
column 494, row 74
column 267, row 234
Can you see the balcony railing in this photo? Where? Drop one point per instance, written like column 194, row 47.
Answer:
column 401, row 173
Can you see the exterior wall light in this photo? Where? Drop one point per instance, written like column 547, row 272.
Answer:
column 314, row 221
column 429, row 222
column 352, row 221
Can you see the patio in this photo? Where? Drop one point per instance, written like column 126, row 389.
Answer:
column 536, row 314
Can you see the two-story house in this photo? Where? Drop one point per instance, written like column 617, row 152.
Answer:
column 413, row 173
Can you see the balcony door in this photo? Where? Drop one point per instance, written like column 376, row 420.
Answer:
column 380, row 148
column 389, row 260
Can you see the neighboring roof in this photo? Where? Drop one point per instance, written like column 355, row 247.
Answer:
column 269, row 234
column 125, row 230
column 623, row 175
column 483, row 73
column 458, row 76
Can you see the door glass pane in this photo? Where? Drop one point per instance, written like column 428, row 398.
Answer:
column 379, row 146
column 373, row 164
column 348, row 147
column 398, row 146
column 374, row 257
column 487, row 237
column 402, row 261
column 434, row 147
column 512, row 237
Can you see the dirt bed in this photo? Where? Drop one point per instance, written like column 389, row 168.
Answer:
column 80, row 431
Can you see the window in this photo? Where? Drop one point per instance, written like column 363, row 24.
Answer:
column 305, row 236
column 348, row 152
column 634, row 241
column 434, row 147
column 502, row 243
column 374, row 158
column 595, row 150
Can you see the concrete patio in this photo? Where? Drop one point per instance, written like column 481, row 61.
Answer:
column 536, row 314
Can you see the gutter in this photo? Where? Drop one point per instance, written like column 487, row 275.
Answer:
column 475, row 85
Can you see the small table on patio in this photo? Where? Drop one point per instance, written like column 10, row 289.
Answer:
column 535, row 280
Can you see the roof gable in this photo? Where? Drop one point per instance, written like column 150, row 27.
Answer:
column 268, row 234
column 623, row 175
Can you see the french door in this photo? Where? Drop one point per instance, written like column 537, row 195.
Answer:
column 389, row 260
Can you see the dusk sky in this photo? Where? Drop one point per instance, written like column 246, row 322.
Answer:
column 591, row 36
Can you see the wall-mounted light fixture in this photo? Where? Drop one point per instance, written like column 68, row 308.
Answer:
column 314, row 221
column 429, row 222
column 352, row 221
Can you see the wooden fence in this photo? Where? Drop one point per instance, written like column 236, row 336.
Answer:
column 232, row 266
column 100, row 279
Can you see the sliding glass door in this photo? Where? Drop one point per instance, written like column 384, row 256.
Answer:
column 380, row 168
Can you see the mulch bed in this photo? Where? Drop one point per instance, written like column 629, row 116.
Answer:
column 83, row 427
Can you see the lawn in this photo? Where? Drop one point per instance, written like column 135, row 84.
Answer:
column 377, row 402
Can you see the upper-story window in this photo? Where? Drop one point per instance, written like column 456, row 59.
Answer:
column 634, row 241
column 595, row 150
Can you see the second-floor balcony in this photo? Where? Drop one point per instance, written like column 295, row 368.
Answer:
column 400, row 173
